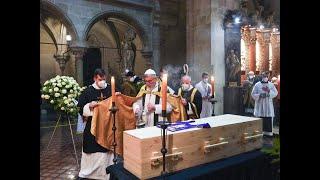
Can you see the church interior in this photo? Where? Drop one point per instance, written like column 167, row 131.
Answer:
column 230, row 40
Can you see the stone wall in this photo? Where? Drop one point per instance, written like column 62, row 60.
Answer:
column 101, row 36
column 49, row 68
column 199, row 38
column 173, row 33
column 82, row 15
column 205, row 42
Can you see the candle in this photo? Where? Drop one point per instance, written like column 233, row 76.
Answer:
column 212, row 85
column 164, row 92
column 113, row 88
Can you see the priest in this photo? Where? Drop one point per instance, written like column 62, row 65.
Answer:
column 95, row 158
column 191, row 98
column 148, row 107
column 263, row 92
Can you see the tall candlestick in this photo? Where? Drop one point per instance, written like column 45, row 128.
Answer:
column 164, row 92
column 212, row 85
column 113, row 88
column 278, row 87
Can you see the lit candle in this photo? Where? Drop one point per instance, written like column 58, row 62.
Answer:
column 164, row 92
column 212, row 85
column 113, row 88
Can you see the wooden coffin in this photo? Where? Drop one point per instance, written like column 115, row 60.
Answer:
column 229, row 135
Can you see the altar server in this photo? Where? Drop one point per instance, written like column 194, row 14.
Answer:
column 263, row 92
column 205, row 89
column 148, row 107
column 192, row 99
column 95, row 158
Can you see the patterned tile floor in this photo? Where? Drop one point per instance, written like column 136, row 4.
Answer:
column 59, row 161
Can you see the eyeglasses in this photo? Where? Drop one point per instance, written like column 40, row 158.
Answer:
column 148, row 81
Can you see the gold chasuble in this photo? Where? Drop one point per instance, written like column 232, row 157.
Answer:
column 178, row 111
column 101, row 124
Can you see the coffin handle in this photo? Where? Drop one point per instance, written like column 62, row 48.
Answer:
column 255, row 135
column 208, row 146
column 157, row 160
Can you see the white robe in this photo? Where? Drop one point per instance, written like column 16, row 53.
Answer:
column 80, row 125
column 93, row 165
column 150, row 98
column 263, row 107
column 171, row 91
column 205, row 90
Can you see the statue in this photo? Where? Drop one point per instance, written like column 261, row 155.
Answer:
column 256, row 17
column 270, row 20
column 244, row 8
column 128, row 50
column 233, row 66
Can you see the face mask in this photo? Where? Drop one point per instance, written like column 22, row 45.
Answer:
column 131, row 79
column 185, row 87
column 265, row 79
column 102, row 84
column 206, row 80
column 251, row 77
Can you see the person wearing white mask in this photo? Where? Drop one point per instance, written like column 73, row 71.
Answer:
column 204, row 88
column 132, row 85
column 148, row 107
column 95, row 158
column 263, row 92
column 191, row 98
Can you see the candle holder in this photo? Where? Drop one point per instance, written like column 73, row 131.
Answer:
column 213, row 102
column 164, row 124
column 114, row 110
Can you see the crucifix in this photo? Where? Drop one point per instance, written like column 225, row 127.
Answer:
column 101, row 98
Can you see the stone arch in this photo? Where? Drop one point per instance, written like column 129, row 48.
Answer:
column 141, row 31
column 50, row 33
column 48, row 9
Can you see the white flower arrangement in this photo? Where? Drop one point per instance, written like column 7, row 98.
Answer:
column 62, row 92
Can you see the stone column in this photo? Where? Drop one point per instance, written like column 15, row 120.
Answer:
column 275, row 46
column 147, row 55
column 155, row 53
column 62, row 61
column 245, row 35
column 217, row 54
column 252, row 50
column 78, row 52
column 263, row 38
